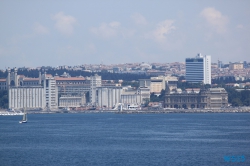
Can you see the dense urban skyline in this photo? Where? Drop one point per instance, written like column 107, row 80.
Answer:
column 54, row 33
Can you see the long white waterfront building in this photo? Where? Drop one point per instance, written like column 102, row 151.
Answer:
column 48, row 92
column 26, row 97
column 31, row 93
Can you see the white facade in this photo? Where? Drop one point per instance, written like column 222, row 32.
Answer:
column 50, row 91
column 198, row 69
column 138, row 96
column 26, row 97
column 108, row 97
column 144, row 82
column 207, row 69
column 49, row 87
column 95, row 81
column 156, row 84
column 32, row 93
column 71, row 101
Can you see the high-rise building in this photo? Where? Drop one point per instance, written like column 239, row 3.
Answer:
column 198, row 69
column 220, row 64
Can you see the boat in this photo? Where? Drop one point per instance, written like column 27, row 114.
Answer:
column 92, row 108
column 129, row 107
column 10, row 113
column 25, row 118
column 66, row 109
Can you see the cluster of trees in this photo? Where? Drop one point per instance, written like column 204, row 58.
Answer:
column 125, row 76
column 238, row 98
column 105, row 75
column 132, row 83
column 222, row 81
column 155, row 98
column 185, row 85
column 4, row 99
column 3, row 74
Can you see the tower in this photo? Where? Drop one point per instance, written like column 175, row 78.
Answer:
column 13, row 78
column 198, row 69
column 95, row 81
column 207, row 69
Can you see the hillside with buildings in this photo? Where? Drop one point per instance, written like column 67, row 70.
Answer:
column 185, row 85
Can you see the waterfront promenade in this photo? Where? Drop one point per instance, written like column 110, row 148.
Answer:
column 222, row 110
column 163, row 110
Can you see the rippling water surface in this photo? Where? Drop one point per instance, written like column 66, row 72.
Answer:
column 124, row 139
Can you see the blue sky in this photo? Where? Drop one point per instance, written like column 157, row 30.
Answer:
column 42, row 33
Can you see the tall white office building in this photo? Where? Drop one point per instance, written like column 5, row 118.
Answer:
column 198, row 69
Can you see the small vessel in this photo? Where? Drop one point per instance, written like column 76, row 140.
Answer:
column 66, row 109
column 131, row 107
column 25, row 118
column 128, row 107
column 92, row 108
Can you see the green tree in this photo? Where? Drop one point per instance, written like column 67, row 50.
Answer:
column 162, row 95
column 146, row 101
column 246, row 102
column 245, row 97
column 4, row 99
column 87, row 97
column 233, row 94
column 132, row 83
column 236, row 102
column 154, row 98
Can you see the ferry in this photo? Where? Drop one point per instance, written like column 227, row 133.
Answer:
column 130, row 107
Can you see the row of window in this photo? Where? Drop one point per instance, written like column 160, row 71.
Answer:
column 30, row 83
column 71, row 83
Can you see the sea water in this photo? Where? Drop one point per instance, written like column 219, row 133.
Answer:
column 126, row 139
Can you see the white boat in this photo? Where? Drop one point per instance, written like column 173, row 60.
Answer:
column 129, row 107
column 133, row 107
column 25, row 118
column 10, row 114
column 66, row 109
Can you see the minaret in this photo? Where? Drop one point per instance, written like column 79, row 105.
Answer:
column 15, row 76
column 8, row 78
column 44, row 80
column 40, row 78
column 167, row 91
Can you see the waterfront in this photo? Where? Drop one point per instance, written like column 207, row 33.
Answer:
column 139, row 111
column 125, row 139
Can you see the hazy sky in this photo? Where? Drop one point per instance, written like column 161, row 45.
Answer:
column 59, row 32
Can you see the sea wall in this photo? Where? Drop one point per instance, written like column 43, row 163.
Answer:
column 226, row 110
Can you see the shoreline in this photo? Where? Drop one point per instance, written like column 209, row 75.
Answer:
column 161, row 111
